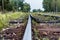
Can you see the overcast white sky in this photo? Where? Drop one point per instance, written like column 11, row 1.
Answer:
column 35, row 4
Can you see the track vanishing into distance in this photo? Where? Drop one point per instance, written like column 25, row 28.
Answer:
column 28, row 31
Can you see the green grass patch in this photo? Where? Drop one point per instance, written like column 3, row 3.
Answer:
column 5, row 18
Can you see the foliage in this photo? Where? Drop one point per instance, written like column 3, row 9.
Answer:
column 26, row 7
column 51, row 5
column 37, row 10
column 47, row 5
column 43, row 17
column 14, row 5
column 4, row 18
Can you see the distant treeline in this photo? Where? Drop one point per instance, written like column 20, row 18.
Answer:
column 51, row 5
column 14, row 5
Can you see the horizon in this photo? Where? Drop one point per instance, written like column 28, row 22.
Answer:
column 35, row 4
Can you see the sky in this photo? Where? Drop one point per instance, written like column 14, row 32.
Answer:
column 35, row 4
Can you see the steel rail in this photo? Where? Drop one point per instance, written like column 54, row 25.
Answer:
column 28, row 33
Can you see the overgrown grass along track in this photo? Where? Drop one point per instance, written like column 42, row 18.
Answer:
column 5, row 18
column 13, row 25
column 45, row 31
column 48, row 13
column 45, row 18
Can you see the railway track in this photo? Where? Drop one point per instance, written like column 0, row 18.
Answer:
column 45, row 30
column 15, row 30
column 28, row 34
column 20, row 32
column 28, row 31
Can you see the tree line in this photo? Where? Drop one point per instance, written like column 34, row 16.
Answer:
column 19, row 5
column 14, row 5
column 51, row 5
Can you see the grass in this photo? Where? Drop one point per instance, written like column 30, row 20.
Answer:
column 48, row 13
column 45, row 18
column 5, row 18
column 42, row 17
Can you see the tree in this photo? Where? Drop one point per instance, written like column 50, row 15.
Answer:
column 4, row 4
column 37, row 10
column 51, row 5
column 0, row 2
column 16, row 4
column 34, row 10
column 26, row 7
column 10, row 5
column 47, row 5
column 56, row 5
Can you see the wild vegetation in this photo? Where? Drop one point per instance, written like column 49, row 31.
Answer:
column 51, row 5
column 14, row 5
column 5, row 18
column 45, row 23
column 43, row 17
column 12, row 25
column 45, row 31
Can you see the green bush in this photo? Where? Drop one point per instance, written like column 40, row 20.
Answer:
column 5, row 18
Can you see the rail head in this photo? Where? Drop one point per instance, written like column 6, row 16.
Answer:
column 28, row 33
